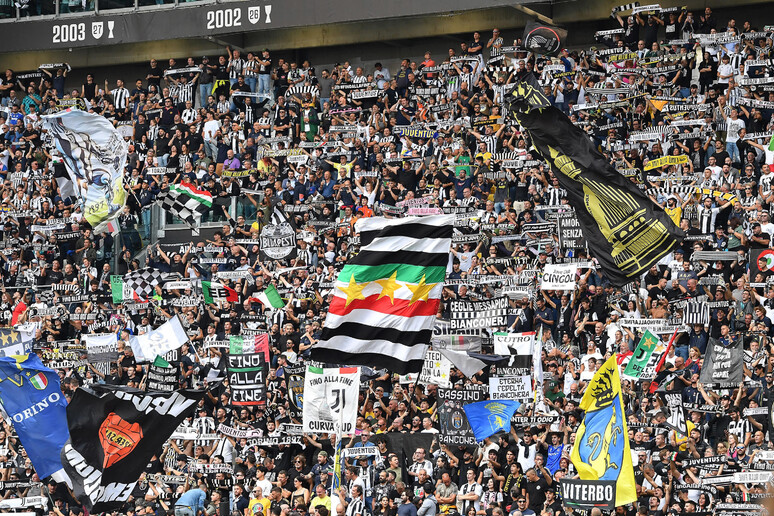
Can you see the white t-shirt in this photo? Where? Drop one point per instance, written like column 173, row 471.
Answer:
column 265, row 486
column 732, row 130
column 724, row 69
column 466, row 260
column 210, row 128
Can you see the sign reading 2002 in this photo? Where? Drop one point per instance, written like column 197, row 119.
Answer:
column 232, row 16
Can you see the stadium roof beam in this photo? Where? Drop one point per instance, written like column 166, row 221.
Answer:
column 226, row 43
column 529, row 12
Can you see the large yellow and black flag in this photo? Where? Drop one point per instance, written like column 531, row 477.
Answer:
column 624, row 229
column 601, row 450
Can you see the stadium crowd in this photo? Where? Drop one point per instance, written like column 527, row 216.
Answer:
column 323, row 145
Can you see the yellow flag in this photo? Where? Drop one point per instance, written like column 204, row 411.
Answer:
column 601, row 450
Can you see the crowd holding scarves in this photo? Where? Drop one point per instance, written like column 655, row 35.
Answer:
column 517, row 279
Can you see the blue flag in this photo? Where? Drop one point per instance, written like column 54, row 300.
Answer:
column 488, row 417
column 32, row 398
column 601, row 450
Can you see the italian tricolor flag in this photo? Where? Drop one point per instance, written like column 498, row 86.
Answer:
column 270, row 298
column 201, row 196
column 122, row 292
column 214, row 291
column 240, row 344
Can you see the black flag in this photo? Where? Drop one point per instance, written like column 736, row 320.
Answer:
column 278, row 238
column 624, row 229
column 723, row 362
column 542, row 38
column 112, row 438
column 676, row 419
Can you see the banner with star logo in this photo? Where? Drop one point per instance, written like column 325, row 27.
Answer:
column 385, row 300
column 642, row 364
column 436, row 369
column 15, row 342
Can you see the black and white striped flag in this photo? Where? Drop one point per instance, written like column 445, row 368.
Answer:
column 696, row 313
column 387, row 297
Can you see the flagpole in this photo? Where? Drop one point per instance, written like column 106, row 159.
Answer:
column 337, row 456
column 663, row 359
column 537, row 359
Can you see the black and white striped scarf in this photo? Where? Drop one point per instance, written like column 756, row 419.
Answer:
column 624, row 7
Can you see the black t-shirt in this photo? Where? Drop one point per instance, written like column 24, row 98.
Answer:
column 177, row 267
column 720, row 157
column 404, row 115
column 537, row 493
column 657, row 293
column 632, row 33
column 408, row 178
column 650, row 33
column 162, row 145
column 282, row 122
column 194, row 142
column 240, row 101
column 90, row 90
column 282, row 81
column 54, row 277
column 555, row 506
column 167, row 117
column 221, row 73
column 392, row 96
column 154, row 466
column 154, row 80
column 293, row 473
column 140, row 129
column 757, row 245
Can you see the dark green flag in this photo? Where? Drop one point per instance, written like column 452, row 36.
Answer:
column 625, row 230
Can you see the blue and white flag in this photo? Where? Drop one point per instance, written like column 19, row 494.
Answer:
column 32, row 398
column 486, row 418
column 94, row 154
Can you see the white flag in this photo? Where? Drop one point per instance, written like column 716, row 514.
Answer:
column 330, row 399
column 167, row 337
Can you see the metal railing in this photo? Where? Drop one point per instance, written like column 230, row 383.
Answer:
column 161, row 221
